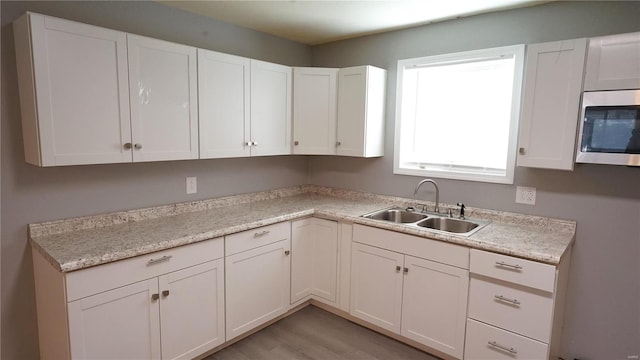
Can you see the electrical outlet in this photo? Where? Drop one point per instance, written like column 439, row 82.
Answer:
column 192, row 185
column 526, row 195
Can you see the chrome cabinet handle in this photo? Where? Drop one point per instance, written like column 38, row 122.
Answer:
column 502, row 347
column 137, row 146
column 398, row 267
column 165, row 293
column 155, row 297
column 512, row 266
column 505, row 299
column 159, row 260
column 262, row 233
column 127, row 146
column 254, row 143
column 248, row 143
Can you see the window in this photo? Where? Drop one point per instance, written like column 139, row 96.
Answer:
column 457, row 115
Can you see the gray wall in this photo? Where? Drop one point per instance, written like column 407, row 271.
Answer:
column 31, row 194
column 603, row 306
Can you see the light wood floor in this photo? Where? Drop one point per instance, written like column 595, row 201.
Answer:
column 315, row 334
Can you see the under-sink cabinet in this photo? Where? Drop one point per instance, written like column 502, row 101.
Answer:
column 257, row 265
column 422, row 296
column 164, row 305
column 314, row 260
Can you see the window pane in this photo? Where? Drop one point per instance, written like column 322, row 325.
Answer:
column 457, row 116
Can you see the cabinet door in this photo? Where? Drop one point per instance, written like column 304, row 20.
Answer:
column 257, row 287
column 223, row 103
column 376, row 286
column 192, row 310
column 74, row 92
column 361, row 102
column 434, row 305
column 314, row 249
column 270, row 109
column 164, row 104
column 123, row 323
column 613, row 62
column 314, row 111
column 551, row 104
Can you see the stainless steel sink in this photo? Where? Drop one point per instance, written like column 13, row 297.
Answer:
column 448, row 224
column 396, row 215
column 428, row 221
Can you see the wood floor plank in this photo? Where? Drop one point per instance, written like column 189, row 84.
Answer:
column 315, row 334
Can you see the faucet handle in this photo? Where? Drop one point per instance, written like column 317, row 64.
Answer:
column 462, row 207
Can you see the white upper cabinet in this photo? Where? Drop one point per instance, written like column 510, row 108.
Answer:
column 613, row 62
column 551, row 104
column 164, row 104
column 361, row 106
column 223, row 100
column 74, row 92
column 91, row 95
column 245, row 106
column 314, row 111
column 270, row 109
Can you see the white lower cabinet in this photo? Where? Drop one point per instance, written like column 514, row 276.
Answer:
column 515, row 307
column 164, row 305
column 128, row 322
column 314, row 257
column 422, row 300
column 257, row 277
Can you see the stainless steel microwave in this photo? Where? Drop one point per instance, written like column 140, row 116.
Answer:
column 610, row 128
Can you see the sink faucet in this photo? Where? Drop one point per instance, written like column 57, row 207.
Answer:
column 437, row 208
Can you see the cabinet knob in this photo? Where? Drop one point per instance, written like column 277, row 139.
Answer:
column 137, row 146
column 296, row 143
column 406, row 270
column 155, row 297
column 522, row 151
column 248, row 143
column 398, row 267
column 287, row 252
column 127, row 146
column 254, row 143
column 165, row 293
column 338, row 143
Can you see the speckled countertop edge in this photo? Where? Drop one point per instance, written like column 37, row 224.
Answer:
column 78, row 243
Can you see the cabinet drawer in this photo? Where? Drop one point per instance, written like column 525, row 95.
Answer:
column 487, row 342
column 516, row 308
column 251, row 239
column 515, row 270
column 97, row 279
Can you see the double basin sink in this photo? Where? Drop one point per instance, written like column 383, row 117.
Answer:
column 463, row 227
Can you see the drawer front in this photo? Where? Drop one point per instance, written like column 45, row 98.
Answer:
column 100, row 278
column 515, row 308
column 512, row 269
column 252, row 239
column 491, row 343
column 434, row 250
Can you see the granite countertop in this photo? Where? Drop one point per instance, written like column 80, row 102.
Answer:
column 74, row 244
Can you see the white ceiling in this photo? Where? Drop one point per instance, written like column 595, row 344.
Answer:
column 315, row 22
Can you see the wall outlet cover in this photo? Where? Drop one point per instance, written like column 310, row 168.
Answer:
column 526, row 195
column 192, row 185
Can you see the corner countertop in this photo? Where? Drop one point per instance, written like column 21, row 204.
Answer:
column 78, row 243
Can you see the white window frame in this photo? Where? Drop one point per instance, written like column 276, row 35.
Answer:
column 517, row 51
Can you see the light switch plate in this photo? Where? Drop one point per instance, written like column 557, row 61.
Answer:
column 526, row 195
column 192, row 185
